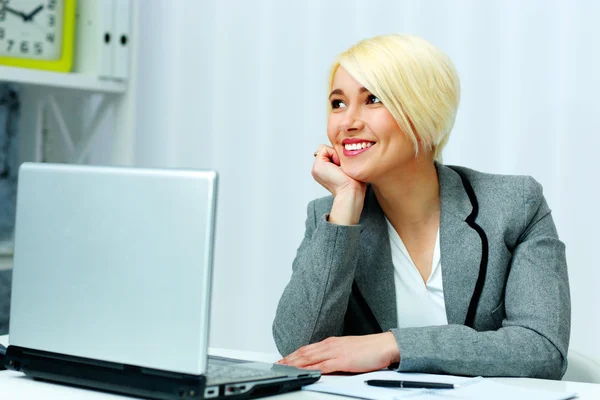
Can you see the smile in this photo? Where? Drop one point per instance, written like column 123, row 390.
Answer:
column 354, row 149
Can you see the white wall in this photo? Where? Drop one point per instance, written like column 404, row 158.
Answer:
column 240, row 86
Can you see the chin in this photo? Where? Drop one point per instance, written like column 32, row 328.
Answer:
column 356, row 173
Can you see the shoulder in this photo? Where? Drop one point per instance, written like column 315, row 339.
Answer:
column 502, row 189
column 507, row 203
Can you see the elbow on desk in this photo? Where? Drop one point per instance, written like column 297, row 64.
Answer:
column 547, row 369
column 551, row 365
column 556, row 368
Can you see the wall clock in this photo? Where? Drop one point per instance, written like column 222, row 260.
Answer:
column 37, row 33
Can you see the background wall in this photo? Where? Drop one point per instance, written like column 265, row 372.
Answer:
column 240, row 86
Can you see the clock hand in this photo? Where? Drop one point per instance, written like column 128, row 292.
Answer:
column 33, row 13
column 19, row 13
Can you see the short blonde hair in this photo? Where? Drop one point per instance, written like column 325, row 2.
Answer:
column 415, row 81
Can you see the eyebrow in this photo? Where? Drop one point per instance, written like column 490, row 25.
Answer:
column 341, row 92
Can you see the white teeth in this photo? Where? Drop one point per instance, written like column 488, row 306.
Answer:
column 358, row 146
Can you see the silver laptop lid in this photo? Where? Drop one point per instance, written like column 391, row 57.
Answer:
column 114, row 264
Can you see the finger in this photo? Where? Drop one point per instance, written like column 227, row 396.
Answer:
column 336, row 158
column 326, row 367
column 290, row 358
column 307, row 355
column 325, row 153
column 303, row 359
column 294, row 355
column 302, row 350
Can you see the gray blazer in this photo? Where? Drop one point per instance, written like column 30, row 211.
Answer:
column 497, row 239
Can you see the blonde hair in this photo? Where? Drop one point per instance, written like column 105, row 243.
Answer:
column 415, row 81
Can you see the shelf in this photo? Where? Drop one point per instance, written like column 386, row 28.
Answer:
column 59, row 80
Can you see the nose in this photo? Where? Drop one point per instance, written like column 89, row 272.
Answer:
column 351, row 121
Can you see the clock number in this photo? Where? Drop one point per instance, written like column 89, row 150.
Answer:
column 4, row 2
column 24, row 47
column 10, row 44
column 1, row 33
column 51, row 4
column 50, row 37
column 38, row 47
column 2, row 14
column 51, row 20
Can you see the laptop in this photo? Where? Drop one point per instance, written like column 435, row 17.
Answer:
column 112, row 285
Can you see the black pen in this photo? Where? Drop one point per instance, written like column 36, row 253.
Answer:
column 409, row 384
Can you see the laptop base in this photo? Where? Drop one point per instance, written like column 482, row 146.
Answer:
column 137, row 381
column 108, row 376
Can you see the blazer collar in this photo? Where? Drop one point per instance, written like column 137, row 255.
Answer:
column 460, row 245
column 453, row 197
column 460, row 248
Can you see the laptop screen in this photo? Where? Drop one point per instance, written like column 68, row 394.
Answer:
column 114, row 264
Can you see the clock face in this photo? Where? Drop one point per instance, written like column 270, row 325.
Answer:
column 31, row 29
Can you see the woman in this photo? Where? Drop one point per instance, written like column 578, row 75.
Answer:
column 410, row 262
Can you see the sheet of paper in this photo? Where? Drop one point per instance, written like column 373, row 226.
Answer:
column 470, row 388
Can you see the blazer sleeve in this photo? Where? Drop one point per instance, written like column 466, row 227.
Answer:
column 314, row 302
column 534, row 337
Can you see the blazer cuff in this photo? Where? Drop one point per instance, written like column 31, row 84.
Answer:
column 408, row 341
column 325, row 218
column 343, row 243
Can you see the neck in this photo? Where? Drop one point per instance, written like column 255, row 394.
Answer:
column 410, row 196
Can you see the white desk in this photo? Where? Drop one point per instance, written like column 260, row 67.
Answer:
column 14, row 385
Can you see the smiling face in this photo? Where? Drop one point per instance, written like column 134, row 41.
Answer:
column 365, row 135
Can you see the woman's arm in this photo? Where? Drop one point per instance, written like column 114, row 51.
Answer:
column 313, row 304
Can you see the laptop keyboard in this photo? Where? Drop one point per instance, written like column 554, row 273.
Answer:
column 220, row 371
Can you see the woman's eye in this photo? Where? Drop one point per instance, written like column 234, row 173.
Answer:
column 372, row 99
column 337, row 104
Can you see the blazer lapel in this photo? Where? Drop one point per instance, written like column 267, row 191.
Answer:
column 375, row 272
column 460, row 246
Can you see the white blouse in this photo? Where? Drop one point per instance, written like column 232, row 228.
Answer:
column 418, row 304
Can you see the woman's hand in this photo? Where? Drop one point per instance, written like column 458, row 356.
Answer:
column 326, row 170
column 349, row 193
column 347, row 353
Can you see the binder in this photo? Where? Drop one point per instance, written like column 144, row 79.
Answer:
column 94, row 38
column 103, row 39
column 122, row 29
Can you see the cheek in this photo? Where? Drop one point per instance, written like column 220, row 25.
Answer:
column 332, row 128
column 387, row 127
column 387, row 121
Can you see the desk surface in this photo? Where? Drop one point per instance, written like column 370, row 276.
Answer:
column 17, row 386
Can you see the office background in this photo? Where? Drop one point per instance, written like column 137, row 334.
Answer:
column 240, row 86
